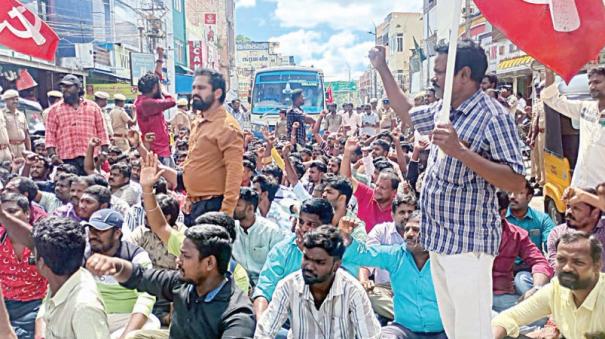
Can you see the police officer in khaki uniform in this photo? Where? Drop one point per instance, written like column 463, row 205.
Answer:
column 537, row 138
column 120, row 122
column 181, row 118
column 15, row 124
column 101, row 100
column 53, row 98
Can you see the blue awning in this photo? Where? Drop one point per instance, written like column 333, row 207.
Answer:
column 183, row 83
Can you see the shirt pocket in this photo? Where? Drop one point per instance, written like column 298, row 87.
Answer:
column 259, row 254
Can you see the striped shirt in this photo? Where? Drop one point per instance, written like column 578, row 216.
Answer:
column 460, row 209
column 345, row 313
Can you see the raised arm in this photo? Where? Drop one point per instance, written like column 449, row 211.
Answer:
column 317, row 127
column 18, row 230
column 401, row 160
column 156, row 219
column 345, row 166
column 400, row 102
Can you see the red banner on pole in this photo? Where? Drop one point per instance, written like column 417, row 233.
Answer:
column 24, row 32
column 564, row 35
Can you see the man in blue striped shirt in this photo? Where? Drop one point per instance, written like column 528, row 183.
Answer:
column 460, row 225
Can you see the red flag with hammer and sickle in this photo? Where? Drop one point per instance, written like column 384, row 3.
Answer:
column 23, row 31
column 564, row 35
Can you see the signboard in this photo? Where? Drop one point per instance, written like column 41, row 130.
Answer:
column 210, row 18
column 252, row 46
column 140, row 63
column 197, row 54
column 342, row 86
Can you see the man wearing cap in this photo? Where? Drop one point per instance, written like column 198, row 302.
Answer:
column 53, row 98
column 387, row 115
column 181, row 118
column 16, row 125
column 5, row 152
column 71, row 124
column 120, row 122
column 101, row 100
column 127, row 309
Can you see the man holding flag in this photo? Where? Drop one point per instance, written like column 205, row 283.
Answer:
column 460, row 222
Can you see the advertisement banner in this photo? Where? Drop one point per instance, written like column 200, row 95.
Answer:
column 197, row 54
column 140, row 63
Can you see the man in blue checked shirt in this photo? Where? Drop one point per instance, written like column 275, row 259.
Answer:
column 460, row 224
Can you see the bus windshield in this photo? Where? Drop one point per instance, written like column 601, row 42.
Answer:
column 272, row 91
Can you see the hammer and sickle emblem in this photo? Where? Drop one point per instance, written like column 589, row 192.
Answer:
column 30, row 31
column 564, row 14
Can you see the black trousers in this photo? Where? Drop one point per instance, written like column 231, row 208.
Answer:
column 201, row 207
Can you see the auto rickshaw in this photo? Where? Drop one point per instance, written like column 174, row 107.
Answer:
column 561, row 147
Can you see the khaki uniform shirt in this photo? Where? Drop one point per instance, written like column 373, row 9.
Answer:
column 119, row 120
column 180, row 120
column 16, row 125
column 5, row 152
column 76, row 310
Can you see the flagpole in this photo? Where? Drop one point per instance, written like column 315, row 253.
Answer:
column 444, row 115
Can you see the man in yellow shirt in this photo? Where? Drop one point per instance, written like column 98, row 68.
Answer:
column 575, row 299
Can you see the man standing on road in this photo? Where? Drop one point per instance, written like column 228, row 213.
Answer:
column 120, row 122
column 296, row 114
column 16, row 125
column 590, row 168
column 71, row 124
column 460, row 221
column 213, row 170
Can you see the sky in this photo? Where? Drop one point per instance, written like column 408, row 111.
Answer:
column 331, row 35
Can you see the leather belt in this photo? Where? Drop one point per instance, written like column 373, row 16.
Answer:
column 203, row 198
column 16, row 142
column 119, row 135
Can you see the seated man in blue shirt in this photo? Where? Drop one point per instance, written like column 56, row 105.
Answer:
column 286, row 256
column 536, row 223
column 415, row 303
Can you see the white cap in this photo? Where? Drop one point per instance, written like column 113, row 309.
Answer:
column 119, row 96
column 9, row 94
column 102, row 95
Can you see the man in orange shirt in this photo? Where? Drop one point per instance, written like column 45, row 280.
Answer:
column 213, row 170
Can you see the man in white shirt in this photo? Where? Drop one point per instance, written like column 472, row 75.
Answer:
column 350, row 119
column 369, row 122
column 590, row 167
column 256, row 235
column 321, row 300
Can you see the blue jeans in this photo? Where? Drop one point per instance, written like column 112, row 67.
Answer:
column 502, row 302
column 22, row 316
column 398, row 331
column 524, row 282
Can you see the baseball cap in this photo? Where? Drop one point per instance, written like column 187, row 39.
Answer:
column 105, row 219
column 71, row 79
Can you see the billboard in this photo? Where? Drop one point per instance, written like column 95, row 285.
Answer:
column 140, row 63
column 198, row 52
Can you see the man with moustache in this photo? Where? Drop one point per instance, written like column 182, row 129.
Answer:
column 581, row 217
column 574, row 299
column 71, row 124
column 320, row 299
column 213, row 170
column 127, row 309
column 150, row 106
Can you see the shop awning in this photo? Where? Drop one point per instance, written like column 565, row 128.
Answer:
column 515, row 63
column 183, row 83
column 180, row 69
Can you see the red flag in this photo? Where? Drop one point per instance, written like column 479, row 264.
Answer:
column 24, row 32
column 329, row 95
column 564, row 35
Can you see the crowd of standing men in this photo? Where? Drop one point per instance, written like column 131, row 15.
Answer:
column 374, row 222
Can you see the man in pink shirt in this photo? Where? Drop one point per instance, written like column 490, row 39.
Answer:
column 150, row 106
column 374, row 204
